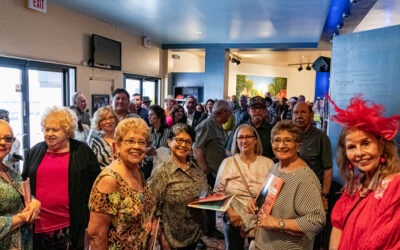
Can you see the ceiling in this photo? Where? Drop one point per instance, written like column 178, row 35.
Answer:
column 277, row 32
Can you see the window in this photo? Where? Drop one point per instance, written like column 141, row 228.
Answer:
column 146, row 86
column 28, row 87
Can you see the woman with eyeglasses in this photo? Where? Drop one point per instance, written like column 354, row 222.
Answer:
column 15, row 216
column 297, row 214
column 242, row 175
column 121, row 204
column 105, row 121
column 61, row 172
column 175, row 183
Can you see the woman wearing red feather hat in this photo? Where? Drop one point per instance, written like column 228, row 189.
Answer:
column 367, row 215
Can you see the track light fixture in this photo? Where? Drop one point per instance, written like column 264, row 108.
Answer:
column 308, row 67
column 300, row 68
column 234, row 58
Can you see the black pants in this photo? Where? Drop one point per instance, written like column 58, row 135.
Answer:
column 211, row 220
column 57, row 240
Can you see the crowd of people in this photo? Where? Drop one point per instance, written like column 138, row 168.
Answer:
column 129, row 172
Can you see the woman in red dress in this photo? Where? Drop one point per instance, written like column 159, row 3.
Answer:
column 367, row 215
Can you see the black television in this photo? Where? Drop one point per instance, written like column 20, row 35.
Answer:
column 105, row 53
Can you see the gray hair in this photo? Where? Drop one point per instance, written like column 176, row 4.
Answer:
column 220, row 106
column 258, row 149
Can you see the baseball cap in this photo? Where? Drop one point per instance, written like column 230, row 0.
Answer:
column 257, row 101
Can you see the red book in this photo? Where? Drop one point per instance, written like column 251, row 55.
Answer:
column 266, row 198
column 216, row 202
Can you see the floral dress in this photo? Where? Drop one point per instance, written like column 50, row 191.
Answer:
column 11, row 203
column 130, row 211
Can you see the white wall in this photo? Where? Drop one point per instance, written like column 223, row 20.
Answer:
column 188, row 61
column 298, row 83
column 63, row 36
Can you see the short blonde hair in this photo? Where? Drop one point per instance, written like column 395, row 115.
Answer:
column 64, row 117
column 135, row 124
column 101, row 114
column 257, row 149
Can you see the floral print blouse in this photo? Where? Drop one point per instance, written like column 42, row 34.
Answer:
column 11, row 203
column 130, row 211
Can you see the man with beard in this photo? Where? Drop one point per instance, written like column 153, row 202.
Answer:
column 142, row 112
column 316, row 151
column 257, row 112
column 79, row 100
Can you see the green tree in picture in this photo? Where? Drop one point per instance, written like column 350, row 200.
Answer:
column 244, row 86
column 277, row 85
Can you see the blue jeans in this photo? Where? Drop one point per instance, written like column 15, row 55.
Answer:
column 233, row 239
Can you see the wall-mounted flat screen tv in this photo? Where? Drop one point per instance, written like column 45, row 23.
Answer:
column 105, row 53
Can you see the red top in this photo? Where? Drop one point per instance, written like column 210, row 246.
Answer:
column 52, row 192
column 374, row 222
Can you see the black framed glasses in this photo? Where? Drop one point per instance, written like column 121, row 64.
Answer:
column 181, row 141
column 7, row 139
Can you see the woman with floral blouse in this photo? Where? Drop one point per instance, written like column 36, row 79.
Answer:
column 121, row 205
column 175, row 183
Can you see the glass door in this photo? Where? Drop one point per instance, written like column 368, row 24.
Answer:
column 11, row 99
column 45, row 90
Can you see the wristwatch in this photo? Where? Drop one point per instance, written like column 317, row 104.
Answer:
column 281, row 225
column 325, row 195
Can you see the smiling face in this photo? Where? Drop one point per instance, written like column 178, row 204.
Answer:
column 108, row 123
column 178, row 115
column 284, row 146
column 132, row 148
column 120, row 102
column 5, row 135
column 55, row 136
column 153, row 118
column 181, row 145
column 246, row 140
column 363, row 150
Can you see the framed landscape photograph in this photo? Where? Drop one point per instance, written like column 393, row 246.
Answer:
column 99, row 100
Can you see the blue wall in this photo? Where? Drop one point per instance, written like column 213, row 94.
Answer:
column 367, row 63
column 321, row 84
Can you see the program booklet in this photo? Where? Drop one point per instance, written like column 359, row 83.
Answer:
column 266, row 198
column 26, row 191
column 216, row 202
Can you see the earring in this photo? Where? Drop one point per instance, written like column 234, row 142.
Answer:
column 351, row 167
column 382, row 160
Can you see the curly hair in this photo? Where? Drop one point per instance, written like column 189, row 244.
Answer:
column 160, row 113
column 291, row 127
column 182, row 127
column 101, row 114
column 258, row 149
column 62, row 116
column 138, row 125
column 390, row 166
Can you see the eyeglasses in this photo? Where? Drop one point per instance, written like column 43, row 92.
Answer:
column 109, row 119
column 285, row 141
column 132, row 142
column 246, row 137
column 181, row 141
column 7, row 139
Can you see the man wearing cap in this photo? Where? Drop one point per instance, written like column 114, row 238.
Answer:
column 257, row 112
column 169, row 103
column 140, row 111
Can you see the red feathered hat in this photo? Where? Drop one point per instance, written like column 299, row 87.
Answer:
column 366, row 116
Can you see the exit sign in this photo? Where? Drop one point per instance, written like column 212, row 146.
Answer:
column 39, row 5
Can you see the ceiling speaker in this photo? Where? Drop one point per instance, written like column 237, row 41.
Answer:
column 322, row 64
column 146, row 42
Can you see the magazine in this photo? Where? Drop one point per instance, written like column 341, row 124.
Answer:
column 26, row 191
column 266, row 198
column 216, row 202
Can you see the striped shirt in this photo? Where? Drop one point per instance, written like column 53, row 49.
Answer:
column 102, row 150
column 299, row 199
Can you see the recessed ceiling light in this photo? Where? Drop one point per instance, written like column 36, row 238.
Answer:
column 199, row 32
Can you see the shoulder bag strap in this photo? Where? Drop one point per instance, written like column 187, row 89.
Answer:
column 241, row 174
